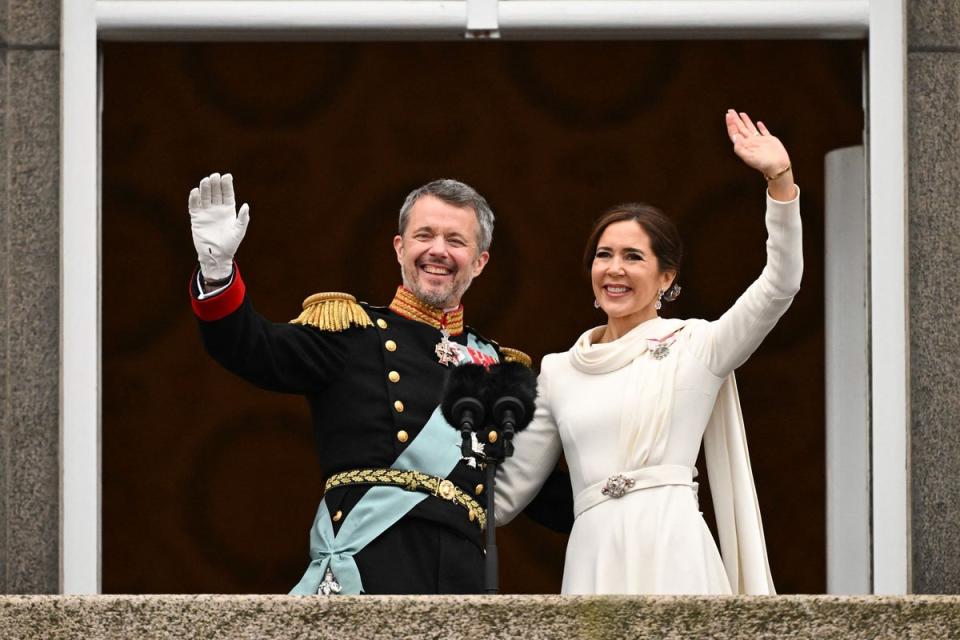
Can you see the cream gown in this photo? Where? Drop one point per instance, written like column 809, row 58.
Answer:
column 639, row 408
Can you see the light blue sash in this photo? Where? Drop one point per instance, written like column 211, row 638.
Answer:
column 435, row 451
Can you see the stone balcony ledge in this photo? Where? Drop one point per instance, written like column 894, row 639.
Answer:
column 514, row 617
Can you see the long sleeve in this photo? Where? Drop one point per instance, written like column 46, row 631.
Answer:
column 275, row 356
column 725, row 344
column 536, row 452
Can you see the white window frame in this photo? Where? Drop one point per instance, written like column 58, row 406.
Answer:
column 84, row 22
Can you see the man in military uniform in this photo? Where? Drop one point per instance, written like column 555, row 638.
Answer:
column 402, row 512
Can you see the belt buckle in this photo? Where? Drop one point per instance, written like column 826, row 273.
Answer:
column 617, row 486
column 446, row 490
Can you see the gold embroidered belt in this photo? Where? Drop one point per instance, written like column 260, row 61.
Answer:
column 412, row 481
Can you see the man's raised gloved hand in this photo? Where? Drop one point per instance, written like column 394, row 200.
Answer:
column 217, row 226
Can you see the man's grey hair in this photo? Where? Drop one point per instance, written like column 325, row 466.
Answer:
column 460, row 195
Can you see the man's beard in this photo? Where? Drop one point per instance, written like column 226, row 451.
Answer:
column 440, row 299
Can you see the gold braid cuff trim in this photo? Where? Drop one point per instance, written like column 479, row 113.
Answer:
column 515, row 355
column 333, row 311
column 412, row 481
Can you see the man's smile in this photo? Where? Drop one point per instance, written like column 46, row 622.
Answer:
column 436, row 269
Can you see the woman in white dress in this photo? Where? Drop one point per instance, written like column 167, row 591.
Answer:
column 631, row 402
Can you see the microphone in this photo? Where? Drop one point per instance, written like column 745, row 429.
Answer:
column 510, row 391
column 500, row 397
column 460, row 403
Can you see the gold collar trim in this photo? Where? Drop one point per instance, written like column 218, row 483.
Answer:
column 406, row 304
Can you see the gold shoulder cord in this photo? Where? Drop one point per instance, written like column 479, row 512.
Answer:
column 332, row 311
column 515, row 355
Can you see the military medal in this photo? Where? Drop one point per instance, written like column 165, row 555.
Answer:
column 329, row 586
column 446, row 351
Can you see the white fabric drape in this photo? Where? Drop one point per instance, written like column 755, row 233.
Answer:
column 647, row 397
column 735, row 504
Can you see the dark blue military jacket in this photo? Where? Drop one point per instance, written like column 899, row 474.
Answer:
column 371, row 389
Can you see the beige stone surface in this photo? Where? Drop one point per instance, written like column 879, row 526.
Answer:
column 933, row 24
column 439, row 617
column 30, row 23
column 30, row 322
column 4, row 305
column 934, row 249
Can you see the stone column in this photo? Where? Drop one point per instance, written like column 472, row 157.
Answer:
column 29, row 295
column 933, row 90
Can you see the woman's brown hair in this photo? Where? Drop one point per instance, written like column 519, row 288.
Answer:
column 664, row 237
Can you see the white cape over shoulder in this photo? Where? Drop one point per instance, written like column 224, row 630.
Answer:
column 735, row 504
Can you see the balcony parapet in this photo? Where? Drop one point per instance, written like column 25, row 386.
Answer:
column 260, row 617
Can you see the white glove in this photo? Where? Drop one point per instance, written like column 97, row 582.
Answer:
column 216, row 225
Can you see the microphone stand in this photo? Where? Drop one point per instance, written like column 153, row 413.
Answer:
column 503, row 410
column 469, row 414
column 492, row 568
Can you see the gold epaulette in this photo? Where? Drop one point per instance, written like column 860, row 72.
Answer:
column 333, row 311
column 515, row 355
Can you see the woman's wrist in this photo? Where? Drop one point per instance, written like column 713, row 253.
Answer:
column 777, row 172
column 782, row 187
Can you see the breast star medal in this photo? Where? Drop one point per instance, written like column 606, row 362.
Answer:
column 329, row 586
column 446, row 351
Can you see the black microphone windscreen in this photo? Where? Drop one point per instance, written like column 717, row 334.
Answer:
column 465, row 381
column 516, row 380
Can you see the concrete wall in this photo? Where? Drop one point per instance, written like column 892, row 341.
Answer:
column 29, row 295
column 437, row 617
column 933, row 89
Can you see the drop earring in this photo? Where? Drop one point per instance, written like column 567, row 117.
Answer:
column 596, row 305
column 659, row 302
column 672, row 293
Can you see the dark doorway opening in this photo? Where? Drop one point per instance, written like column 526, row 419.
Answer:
column 210, row 486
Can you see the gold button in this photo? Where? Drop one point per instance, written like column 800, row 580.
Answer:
column 337, row 516
column 402, row 436
column 479, row 489
column 381, row 323
column 398, row 406
column 492, row 437
column 394, row 376
column 390, row 345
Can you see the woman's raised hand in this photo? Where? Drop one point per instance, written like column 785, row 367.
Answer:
column 761, row 150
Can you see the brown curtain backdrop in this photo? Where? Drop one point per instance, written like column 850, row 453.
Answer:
column 210, row 485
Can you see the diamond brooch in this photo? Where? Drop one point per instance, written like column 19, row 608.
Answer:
column 617, row 486
column 660, row 352
column 659, row 348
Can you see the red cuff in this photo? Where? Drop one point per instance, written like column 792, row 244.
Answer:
column 222, row 304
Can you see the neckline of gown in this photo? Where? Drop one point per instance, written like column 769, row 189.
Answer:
column 605, row 357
